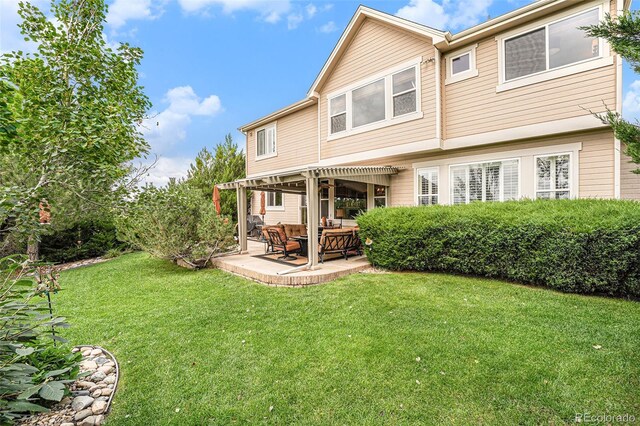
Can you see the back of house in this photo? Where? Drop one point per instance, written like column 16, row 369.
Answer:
column 501, row 111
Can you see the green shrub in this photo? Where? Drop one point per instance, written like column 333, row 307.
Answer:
column 175, row 223
column 84, row 240
column 581, row 246
column 33, row 373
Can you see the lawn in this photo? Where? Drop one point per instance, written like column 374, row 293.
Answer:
column 207, row 347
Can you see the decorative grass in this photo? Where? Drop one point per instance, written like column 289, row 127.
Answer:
column 207, row 347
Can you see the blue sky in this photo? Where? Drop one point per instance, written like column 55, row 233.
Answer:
column 213, row 65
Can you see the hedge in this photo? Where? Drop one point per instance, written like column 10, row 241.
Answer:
column 578, row 246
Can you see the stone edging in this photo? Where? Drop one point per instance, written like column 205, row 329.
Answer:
column 91, row 396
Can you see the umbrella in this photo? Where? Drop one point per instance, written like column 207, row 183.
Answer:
column 216, row 199
column 263, row 203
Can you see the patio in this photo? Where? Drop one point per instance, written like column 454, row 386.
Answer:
column 304, row 181
column 269, row 272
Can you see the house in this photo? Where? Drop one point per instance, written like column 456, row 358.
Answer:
column 404, row 114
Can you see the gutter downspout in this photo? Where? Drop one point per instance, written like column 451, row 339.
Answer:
column 617, row 146
column 438, row 71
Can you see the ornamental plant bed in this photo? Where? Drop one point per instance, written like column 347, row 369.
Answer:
column 91, row 395
column 578, row 246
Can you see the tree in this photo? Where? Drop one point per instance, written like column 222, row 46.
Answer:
column 623, row 34
column 70, row 115
column 225, row 164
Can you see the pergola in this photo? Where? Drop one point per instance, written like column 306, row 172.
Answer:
column 303, row 181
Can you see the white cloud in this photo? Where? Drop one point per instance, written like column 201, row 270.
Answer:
column 168, row 127
column 293, row 20
column 446, row 15
column 631, row 103
column 269, row 11
column 166, row 168
column 426, row 12
column 121, row 11
column 329, row 27
column 311, row 10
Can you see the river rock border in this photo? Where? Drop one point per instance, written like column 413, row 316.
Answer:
column 91, row 395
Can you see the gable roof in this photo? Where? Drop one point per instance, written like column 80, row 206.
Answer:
column 349, row 33
column 442, row 40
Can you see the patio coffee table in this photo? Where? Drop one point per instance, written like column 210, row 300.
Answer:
column 304, row 244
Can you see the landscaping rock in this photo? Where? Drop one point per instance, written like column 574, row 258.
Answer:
column 98, row 376
column 99, row 407
column 81, row 415
column 88, row 365
column 81, row 402
column 91, row 395
column 105, row 369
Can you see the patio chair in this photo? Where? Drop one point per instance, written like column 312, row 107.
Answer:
column 280, row 244
column 334, row 241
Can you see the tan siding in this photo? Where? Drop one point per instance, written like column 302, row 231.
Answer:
column 629, row 181
column 377, row 47
column 473, row 106
column 595, row 174
column 288, row 215
column 296, row 143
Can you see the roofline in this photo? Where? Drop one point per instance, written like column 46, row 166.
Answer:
column 297, row 106
column 442, row 41
column 495, row 24
column 366, row 12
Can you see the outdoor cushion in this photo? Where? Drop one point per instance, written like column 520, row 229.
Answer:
column 265, row 228
column 293, row 245
column 295, row 230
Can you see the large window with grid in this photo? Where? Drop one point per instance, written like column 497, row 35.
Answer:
column 384, row 99
column 554, row 45
column 553, row 176
column 428, row 186
column 488, row 181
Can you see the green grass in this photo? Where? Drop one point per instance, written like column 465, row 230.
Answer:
column 345, row 352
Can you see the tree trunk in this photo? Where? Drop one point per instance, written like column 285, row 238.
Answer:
column 33, row 249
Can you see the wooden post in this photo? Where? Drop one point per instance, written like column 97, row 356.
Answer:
column 313, row 216
column 241, row 193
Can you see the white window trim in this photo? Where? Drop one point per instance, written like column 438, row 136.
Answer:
column 274, row 208
column 573, row 178
column 502, row 160
column 389, row 119
column 416, row 184
column 604, row 59
column 464, row 75
column 527, row 165
column 275, row 141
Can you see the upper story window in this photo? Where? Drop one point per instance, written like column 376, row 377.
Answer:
column 551, row 46
column 266, row 142
column 368, row 104
column 492, row 181
column 338, row 114
column 404, row 92
column 461, row 65
column 387, row 98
